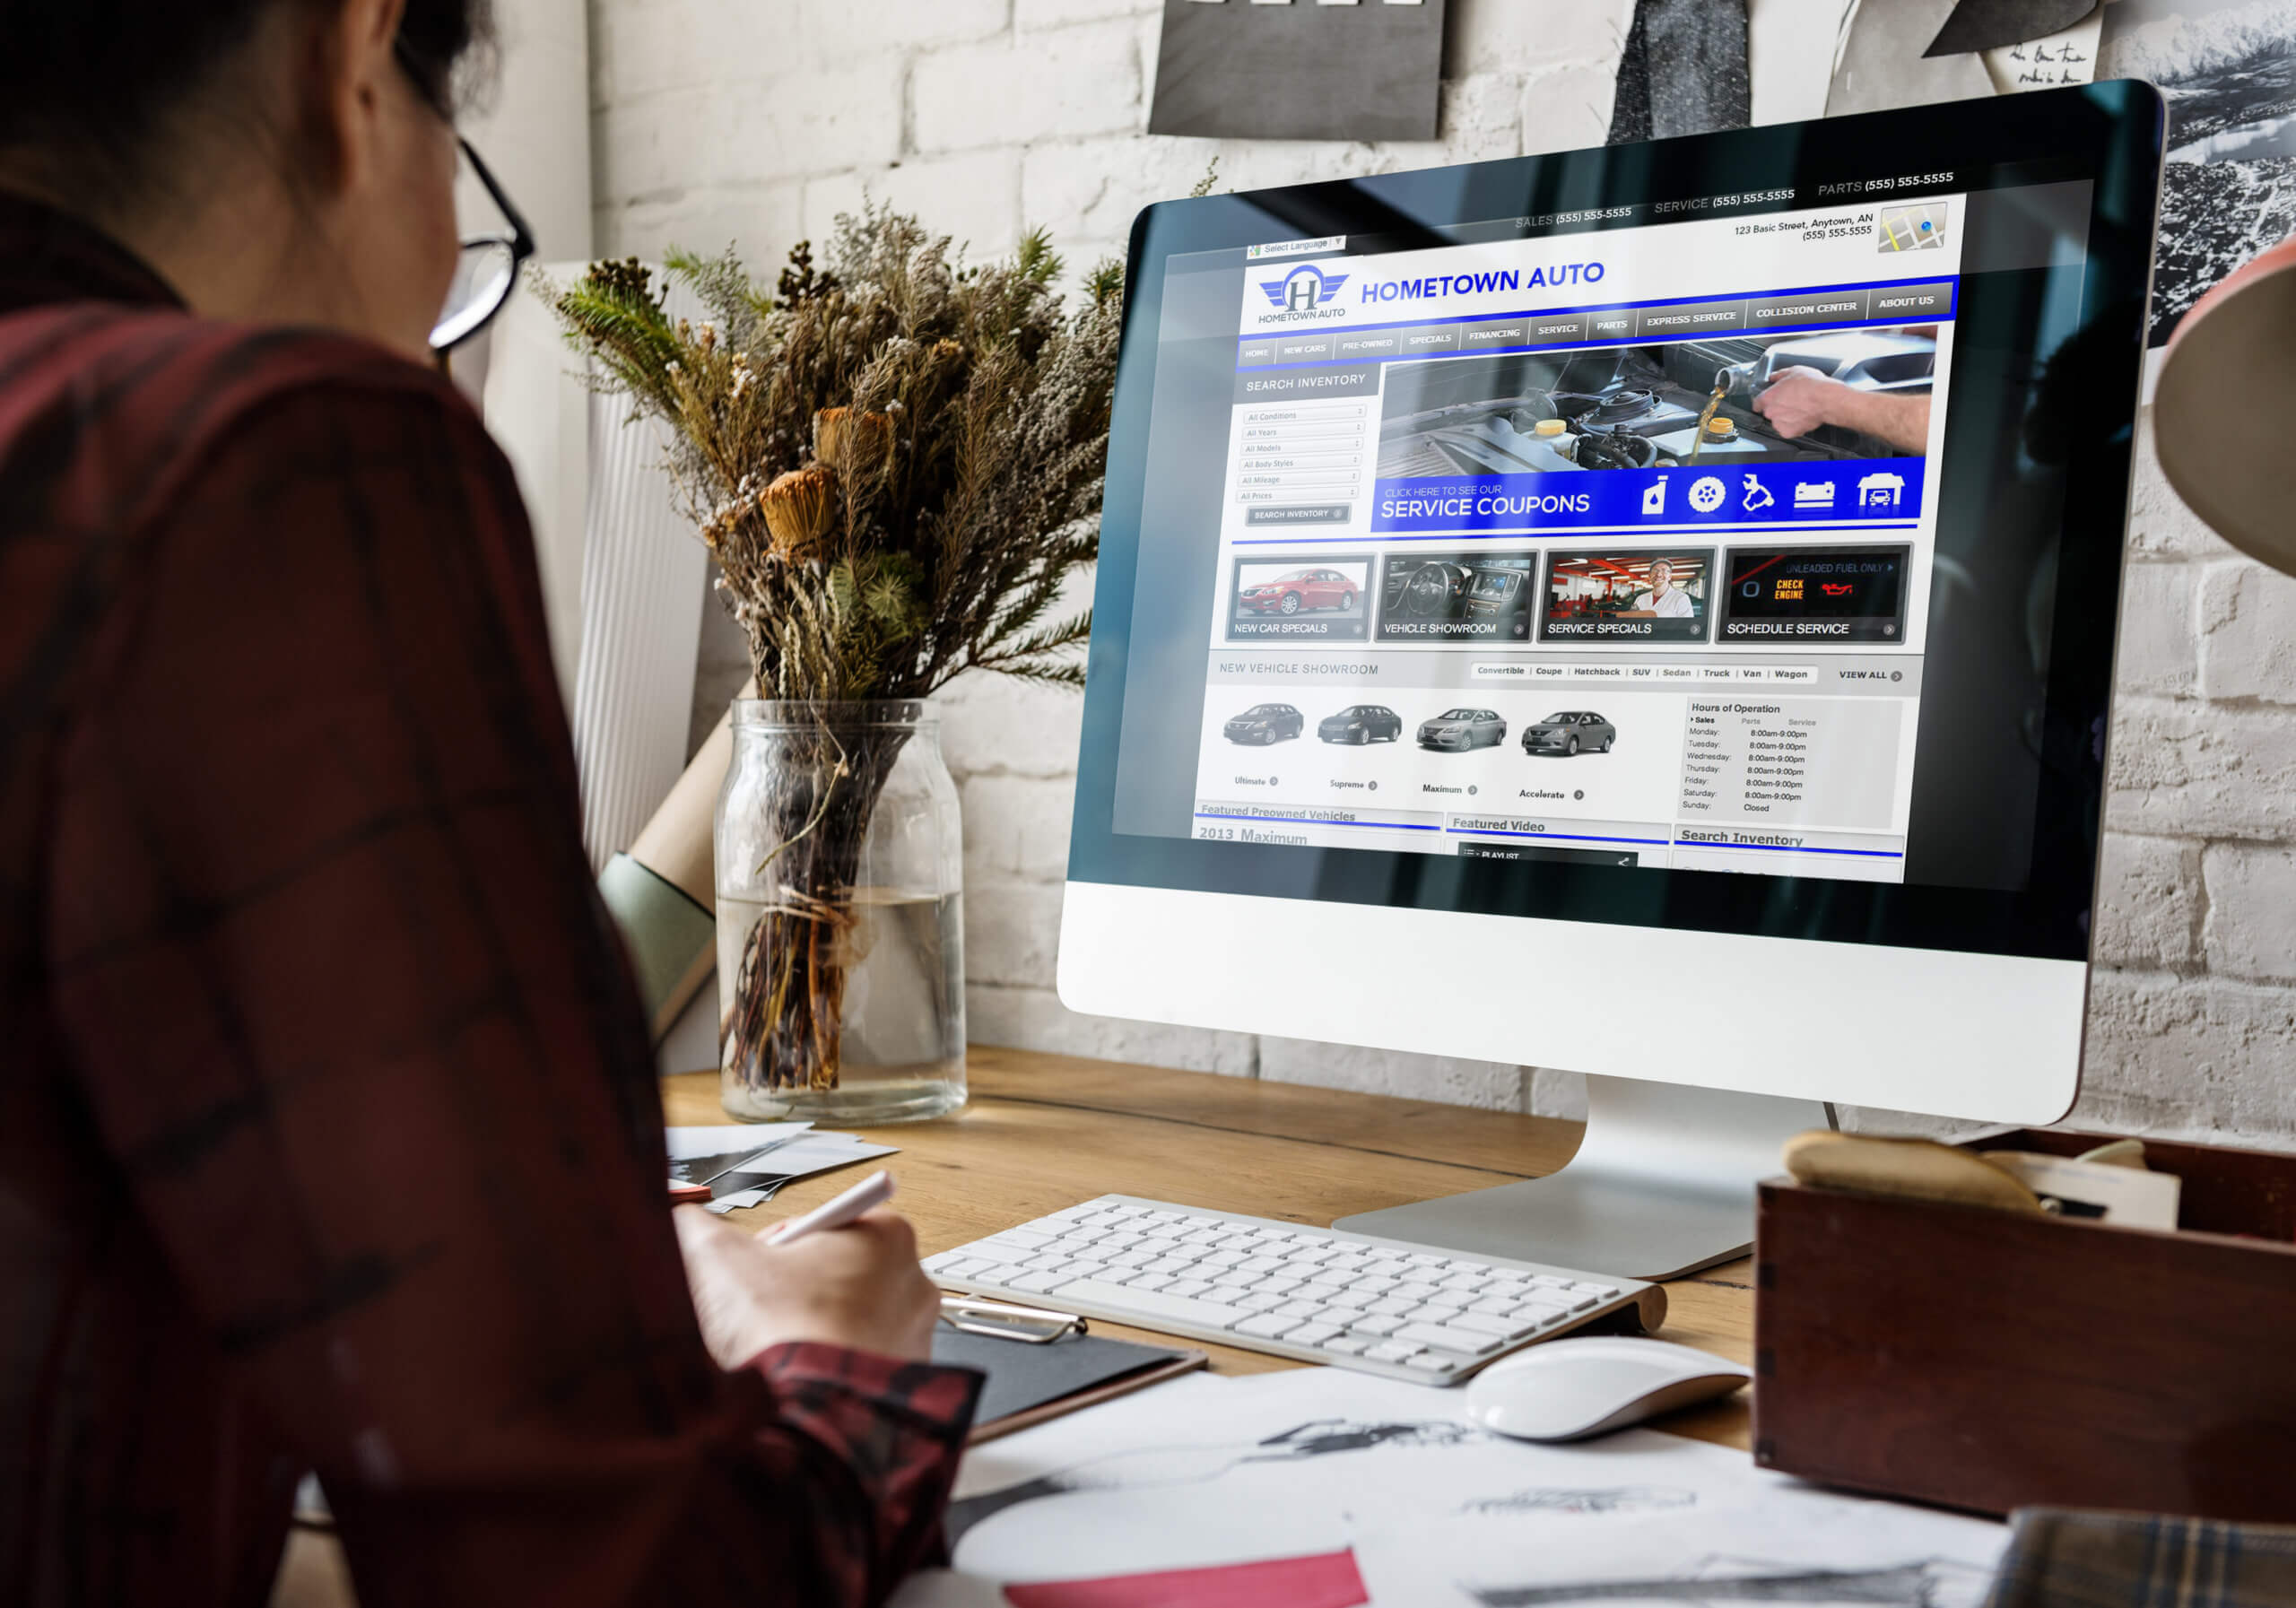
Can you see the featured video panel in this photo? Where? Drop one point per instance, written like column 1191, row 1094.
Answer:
column 1814, row 594
column 1641, row 595
column 1456, row 597
column 1300, row 600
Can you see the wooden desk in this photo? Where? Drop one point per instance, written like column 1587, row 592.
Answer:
column 1042, row 1132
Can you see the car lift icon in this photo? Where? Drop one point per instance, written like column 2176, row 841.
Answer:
column 1756, row 497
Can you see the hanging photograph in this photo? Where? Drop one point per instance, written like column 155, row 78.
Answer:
column 2228, row 68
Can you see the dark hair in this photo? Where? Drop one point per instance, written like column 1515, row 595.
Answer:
column 88, row 86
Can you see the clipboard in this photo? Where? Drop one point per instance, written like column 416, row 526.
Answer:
column 1031, row 1382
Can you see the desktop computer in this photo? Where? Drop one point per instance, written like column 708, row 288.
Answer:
column 1648, row 612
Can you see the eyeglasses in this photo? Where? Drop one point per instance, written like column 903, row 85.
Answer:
column 487, row 271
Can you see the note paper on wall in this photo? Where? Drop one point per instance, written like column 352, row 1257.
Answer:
column 1249, row 69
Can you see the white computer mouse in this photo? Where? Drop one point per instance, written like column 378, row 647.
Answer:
column 1571, row 1389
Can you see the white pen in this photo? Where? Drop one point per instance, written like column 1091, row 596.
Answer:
column 870, row 1192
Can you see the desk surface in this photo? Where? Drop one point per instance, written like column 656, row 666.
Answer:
column 1042, row 1132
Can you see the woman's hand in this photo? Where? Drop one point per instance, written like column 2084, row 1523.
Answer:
column 858, row 1286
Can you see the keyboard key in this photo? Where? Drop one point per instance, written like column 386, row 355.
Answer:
column 1484, row 1324
column 1449, row 1336
column 1432, row 1362
column 1497, row 1306
column 1261, row 1265
column 1188, row 1287
column 1268, row 1325
column 1146, row 1281
column 1414, row 1289
column 1394, row 1351
column 1174, row 1265
column 1299, row 1309
column 1153, row 1304
column 1347, row 1345
column 1037, row 1284
column 1036, row 1238
column 1599, row 1291
column 1379, row 1323
column 1397, row 1304
column 1312, row 1333
column 1434, row 1312
column 1345, row 1314
column 1259, row 1301
column 999, row 1256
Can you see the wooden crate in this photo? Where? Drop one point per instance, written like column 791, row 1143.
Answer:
column 1988, row 1360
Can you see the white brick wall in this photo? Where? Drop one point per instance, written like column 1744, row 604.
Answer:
column 757, row 121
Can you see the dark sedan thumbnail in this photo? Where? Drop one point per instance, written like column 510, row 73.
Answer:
column 1459, row 729
column 1265, row 723
column 1365, row 723
column 1569, row 731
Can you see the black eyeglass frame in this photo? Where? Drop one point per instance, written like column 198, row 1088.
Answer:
column 520, row 241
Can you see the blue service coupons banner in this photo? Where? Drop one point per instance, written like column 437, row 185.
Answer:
column 1807, row 491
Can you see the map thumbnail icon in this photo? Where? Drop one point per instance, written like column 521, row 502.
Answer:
column 1911, row 229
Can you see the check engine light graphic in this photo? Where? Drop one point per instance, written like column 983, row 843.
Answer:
column 1836, row 588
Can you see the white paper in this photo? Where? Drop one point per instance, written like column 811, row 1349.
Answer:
column 2051, row 62
column 2131, row 1196
column 1205, row 1471
column 717, row 1139
column 815, row 1153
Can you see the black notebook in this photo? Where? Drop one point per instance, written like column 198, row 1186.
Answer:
column 1030, row 1383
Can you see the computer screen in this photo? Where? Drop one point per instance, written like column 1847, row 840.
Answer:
column 1720, row 535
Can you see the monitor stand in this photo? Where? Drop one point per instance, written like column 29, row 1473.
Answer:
column 1662, row 1185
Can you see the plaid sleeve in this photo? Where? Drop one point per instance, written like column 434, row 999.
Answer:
column 2062, row 1559
column 343, row 1004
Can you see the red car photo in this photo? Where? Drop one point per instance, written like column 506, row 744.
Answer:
column 1299, row 590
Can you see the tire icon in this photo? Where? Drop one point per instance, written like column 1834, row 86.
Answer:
column 1706, row 494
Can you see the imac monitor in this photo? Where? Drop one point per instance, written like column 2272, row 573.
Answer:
column 1645, row 611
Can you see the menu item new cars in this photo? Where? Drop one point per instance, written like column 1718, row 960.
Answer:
column 1462, row 729
column 1265, row 723
column 1361, row 723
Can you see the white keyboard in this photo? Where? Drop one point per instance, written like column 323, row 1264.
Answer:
column 1321, row 1295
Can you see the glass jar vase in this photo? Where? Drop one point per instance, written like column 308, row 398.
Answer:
column 840, row 921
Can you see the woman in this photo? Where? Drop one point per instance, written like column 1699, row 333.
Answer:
column 328, row 1136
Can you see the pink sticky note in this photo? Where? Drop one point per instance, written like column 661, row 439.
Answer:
column 1327, row 1580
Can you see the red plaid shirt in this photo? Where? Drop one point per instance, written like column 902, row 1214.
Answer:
column 329, row 1131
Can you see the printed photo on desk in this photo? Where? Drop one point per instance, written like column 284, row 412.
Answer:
column 1213, row 1475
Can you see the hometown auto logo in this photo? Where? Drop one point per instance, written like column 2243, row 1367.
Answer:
column 1303, row 294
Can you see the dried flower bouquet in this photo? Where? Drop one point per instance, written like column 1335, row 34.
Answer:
column 896, row 459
